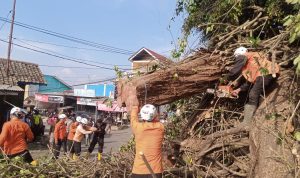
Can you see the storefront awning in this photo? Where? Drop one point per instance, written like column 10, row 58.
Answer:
column 114, row 107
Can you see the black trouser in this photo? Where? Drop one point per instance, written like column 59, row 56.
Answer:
column 70, row 146
column 77, row 148
column 258, row 88
column 100, row 141
column 58, row 145
column 159, row 175
column 24, row 154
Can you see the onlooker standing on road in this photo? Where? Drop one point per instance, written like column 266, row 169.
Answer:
column 60, row 135
column 14, row 136
column 52, row 120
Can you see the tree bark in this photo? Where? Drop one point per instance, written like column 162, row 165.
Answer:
column 269, row 150
column 193, row 75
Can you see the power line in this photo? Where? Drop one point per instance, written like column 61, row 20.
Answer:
column 105, row 48
column 79, row 59
column 73, row 47
column 5, row 21
column 57, row 56
column 43, row 65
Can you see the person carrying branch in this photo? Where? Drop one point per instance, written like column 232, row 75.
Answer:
column 149, row 134
column 14, row 137
column 258, row 73
column 98, row 138
column 71, row 135
column 81, row 130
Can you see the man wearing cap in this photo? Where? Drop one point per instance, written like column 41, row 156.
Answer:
column 60, row 135
column 14, row 136
column 257, row 72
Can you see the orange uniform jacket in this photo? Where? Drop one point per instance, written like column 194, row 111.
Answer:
column 60, row 131
column 72, row 130
column 148, row 138
column 256, row 62
column 14, row 135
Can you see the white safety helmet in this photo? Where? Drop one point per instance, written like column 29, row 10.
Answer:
column 62, row 116
column 84, row 121
column 148, row 112
column 16, row 111
column 240, row 51
column 78, row 119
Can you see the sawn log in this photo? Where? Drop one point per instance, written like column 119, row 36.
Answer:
column 191, row 76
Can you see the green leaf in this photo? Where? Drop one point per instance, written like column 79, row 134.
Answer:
column 288, row 22
column 292, row 37
column 296, row 60
column 298, row 69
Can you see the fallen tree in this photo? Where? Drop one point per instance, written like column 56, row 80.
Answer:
column 212, row 141
column 191, row 76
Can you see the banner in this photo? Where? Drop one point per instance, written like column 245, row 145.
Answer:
column 87, row 101
column 49, row 98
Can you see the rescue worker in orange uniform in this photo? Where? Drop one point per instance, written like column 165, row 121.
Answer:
column 149, row 134
column 60, row 134
column 14, row 136
column 71, row 135
column 81, row 130
column 258, row 73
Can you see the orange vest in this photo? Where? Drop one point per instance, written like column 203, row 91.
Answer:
column 148, row 139
column 72, row 131
column 14, row 135
column 257, row 65
column 60, row 131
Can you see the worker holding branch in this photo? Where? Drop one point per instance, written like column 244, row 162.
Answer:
column 258, row 74
column 14, row 136
column 149, row 134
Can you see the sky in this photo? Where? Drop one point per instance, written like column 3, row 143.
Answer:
column 125, row 24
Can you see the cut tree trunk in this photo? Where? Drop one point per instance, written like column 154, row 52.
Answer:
column 193, row 75
column 269, row 150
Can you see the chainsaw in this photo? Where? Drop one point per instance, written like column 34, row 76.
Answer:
column 222, row 91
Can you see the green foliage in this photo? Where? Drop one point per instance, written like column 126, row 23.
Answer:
column 118, row 72
column 297, row 64
column 129, row 146
column 254, row 41
column 292, row 22
column 214, row 18
column 272, row 116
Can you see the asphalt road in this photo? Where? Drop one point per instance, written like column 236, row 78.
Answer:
column 112, row 143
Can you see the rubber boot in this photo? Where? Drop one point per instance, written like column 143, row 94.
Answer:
column 34, row 163
column 75, row 157
column 99, row 156
column 248, row 113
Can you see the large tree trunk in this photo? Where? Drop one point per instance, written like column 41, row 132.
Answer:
column 269, row 149
column 193, row 75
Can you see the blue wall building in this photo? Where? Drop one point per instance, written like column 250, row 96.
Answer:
column 54, row 84
column 106, row 90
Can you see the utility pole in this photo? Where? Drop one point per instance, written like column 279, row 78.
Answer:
column 10, row 37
